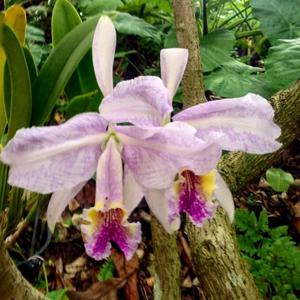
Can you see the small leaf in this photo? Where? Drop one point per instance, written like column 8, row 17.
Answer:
column 279, row 180
column 107, row 271
column 60, row 294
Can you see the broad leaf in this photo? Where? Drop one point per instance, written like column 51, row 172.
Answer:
column 283, row 64
column 279, row 180
column 128, row 24
column 20, row 85
column 64, row 19
column 93, row 7
column 58, row 68
column 216, row 48
column 235, row 79
column 279, row 19
column 60, row 294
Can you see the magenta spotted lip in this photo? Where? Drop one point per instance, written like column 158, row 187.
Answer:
column 111, row 226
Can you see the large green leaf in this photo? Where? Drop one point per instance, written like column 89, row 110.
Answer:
column 279, row 19
column 128, row 24
column 283, row 64
column 216, row 48
column 235, row 79
column 64, row 19
column 20, row 85
column 58, row 68
column 93, row 7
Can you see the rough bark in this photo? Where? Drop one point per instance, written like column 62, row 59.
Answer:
column 188, row 37
column 13, row 286
column 167, row 261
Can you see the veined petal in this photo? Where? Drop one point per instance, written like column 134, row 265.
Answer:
column 101, row 228
column 58, row 202
column 53, row 158
column 224, row 196
column 109, row 184
column 103, row 49
column 246, row 123
column 155, row 159
column 194, row 194
column 165, row 209
column 172, row 65
column 142, row 101
column 132, row 191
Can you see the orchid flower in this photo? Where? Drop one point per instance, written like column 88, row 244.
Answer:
column 60, row 159
column 244, row 124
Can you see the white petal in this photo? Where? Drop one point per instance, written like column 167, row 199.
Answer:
column 58, row 202
column 172, row 64
column 161, row 208
column 104, row 47
column 109, row 185
column 224, row 196
column 133, row 192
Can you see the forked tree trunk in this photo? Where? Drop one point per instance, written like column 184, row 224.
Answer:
column 221, row 271
column 13, row 286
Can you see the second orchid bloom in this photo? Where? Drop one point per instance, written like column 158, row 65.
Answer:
column 171, row 164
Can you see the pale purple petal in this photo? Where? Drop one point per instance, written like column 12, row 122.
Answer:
column 132, row 191
column 156, row 159
column 165, row 209
column 53, row 158
column 172, row 65
column 103, row 49
column 109, row 184
column 102, row 228
column 58, row 202
column 246, row 123
column 141, row 101
column 224, row 196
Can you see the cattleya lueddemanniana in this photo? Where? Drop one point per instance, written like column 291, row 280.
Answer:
column 142, row 159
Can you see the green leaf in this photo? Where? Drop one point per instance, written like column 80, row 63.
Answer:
column 64, row 19
column 20, row 85
column 128, row 24
column 171, row 39
column 216, row 48
column 282, row 64
column 235, row 79
column 92, row 7
column 83, row 103
column 58, row 68
column 279, row 19
column 60, row 294
column 107, row 271
column 30, row 64
column 279, row 180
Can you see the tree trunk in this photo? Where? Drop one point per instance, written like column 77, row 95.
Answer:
column 13, row 285
column 188, row 37
column 167, row 261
